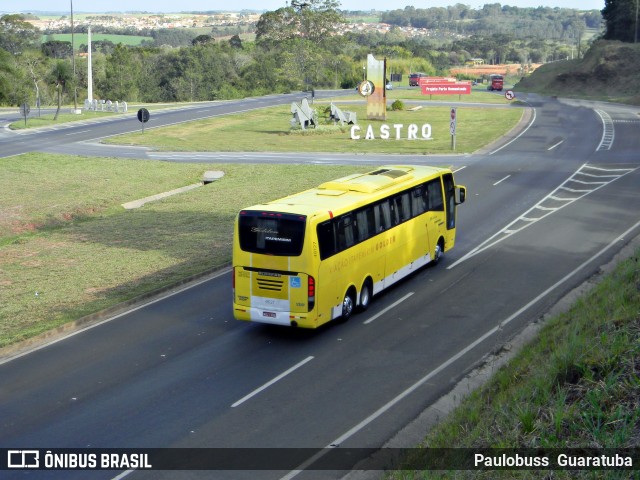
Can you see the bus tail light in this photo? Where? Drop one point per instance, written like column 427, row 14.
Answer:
column 311, row 292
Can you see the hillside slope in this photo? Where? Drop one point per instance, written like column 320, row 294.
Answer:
column 608, row 71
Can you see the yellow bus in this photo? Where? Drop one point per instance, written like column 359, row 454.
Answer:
column 319, row 255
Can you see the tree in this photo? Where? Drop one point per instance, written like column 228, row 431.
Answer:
column 236, row 42
column 620, row 20
column 17, row 35
column 319, row 18
column 56, row 49
column 277, row 26
column 34, row 64
column 202, row 40
column 60, row 75
column 314, row 20
column 122, row 74
column 6, row 74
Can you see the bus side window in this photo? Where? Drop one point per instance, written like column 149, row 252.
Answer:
column 346, row 237
column 377, row 219
column 434, row 191
column 404, row 207
column 386, row 214
column 366, row 223
column 326, row 239
column 394, row 204
column 418, row 204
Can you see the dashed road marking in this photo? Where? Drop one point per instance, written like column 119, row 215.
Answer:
column 608, row 132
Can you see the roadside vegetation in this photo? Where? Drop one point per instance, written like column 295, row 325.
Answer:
column 576, row 385
column 608, row 72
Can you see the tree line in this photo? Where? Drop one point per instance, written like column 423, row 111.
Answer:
column 296, row 47
column 540, row 22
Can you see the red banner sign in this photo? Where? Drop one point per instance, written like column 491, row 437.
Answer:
column 448, row 88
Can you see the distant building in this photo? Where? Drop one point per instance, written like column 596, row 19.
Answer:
column 474, row 62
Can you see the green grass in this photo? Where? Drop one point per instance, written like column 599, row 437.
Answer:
column 576, row 385
column 67, row 247
column 269, row 130
column 83, row 38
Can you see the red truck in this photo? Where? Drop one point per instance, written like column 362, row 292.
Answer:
column 496, row 82
column 414, row 78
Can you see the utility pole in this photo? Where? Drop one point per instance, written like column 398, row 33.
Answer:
column 73, row 62
column 89, row 70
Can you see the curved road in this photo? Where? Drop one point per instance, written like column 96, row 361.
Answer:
column 544, row 211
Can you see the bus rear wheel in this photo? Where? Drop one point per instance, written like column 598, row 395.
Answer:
column 365, row 296
column 348, row 304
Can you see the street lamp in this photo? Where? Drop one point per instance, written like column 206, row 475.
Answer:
column 73, row 62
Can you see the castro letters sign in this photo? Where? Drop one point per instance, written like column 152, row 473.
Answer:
column 397, row 131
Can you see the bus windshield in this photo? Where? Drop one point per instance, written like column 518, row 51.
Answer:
column 271, row 233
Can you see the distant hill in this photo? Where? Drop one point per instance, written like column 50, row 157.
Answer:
column 608, row 71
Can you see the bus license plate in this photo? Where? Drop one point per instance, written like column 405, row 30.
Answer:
column 269, row 314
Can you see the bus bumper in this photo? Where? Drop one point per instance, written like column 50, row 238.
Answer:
column 252, row 314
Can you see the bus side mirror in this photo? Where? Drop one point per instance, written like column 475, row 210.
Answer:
column 461, row 194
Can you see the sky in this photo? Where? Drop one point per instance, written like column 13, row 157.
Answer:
column 14, row 6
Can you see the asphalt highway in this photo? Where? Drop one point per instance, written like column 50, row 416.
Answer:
column 545, row 210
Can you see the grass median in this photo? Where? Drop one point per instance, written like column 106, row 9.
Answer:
column 269, row 129
column 68, row 248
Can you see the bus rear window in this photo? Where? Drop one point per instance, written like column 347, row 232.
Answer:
column 271, row 233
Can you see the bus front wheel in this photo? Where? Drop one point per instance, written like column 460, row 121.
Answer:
column 437, row 254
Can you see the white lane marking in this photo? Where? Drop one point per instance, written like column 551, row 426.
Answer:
column 552, row 200
column 500, row 181
column 126, row 473
column 516, row 138
column 556, row 145
column 271, row 382
column 394, row 401
column 608, row 131
column 382, row 312
column 76, row 133
column 139, row 307
column 602, row 169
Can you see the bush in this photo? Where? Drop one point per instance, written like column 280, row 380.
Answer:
column 397, row 105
